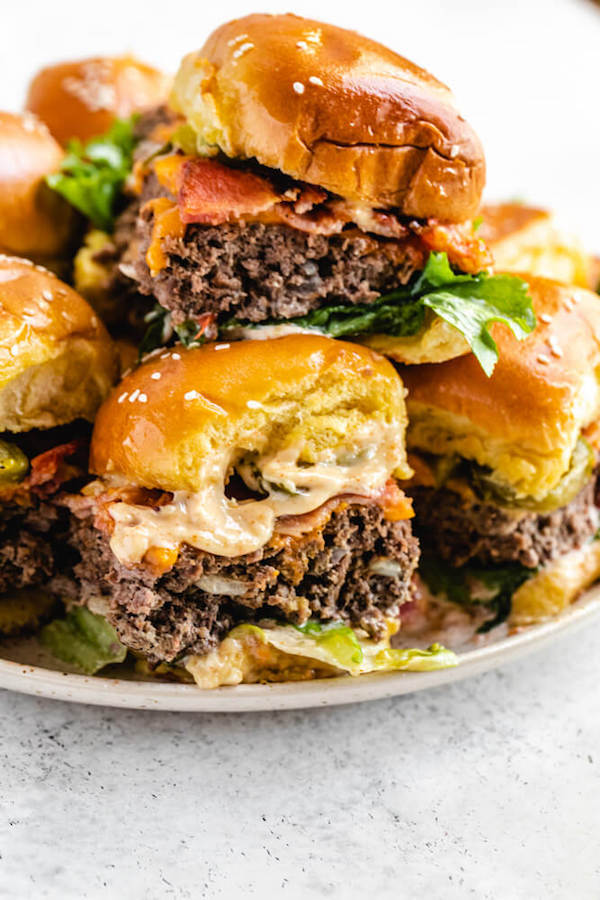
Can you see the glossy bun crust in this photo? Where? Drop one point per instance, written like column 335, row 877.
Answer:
column 524, row 421
column 175, row 421
column 335, row 109
column 57, row 362
column 81, row 99
column 34, row 221
column 527, row 239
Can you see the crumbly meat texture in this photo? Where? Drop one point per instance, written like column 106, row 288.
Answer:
column 324, row 574
column 28, row 544
column 255, row 272
column 460, row 532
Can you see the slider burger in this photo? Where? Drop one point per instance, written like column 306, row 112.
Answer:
column 58, row 365
column 34, row 221
column 94, row 108
column 82, row 99
column 505, row 485
column 526, row 239
column 315, row 181
column 245, row 522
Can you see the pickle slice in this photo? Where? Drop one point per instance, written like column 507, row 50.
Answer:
column 577, row 476
column 14, row 465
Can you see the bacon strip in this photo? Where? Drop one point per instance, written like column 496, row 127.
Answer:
column 209, row 192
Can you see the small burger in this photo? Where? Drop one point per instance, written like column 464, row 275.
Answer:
column 58, row 364
column 526, row 239
column 308, row 179
column 83, row 99
column 505, row 484
column 246, row 523
column 34, row 221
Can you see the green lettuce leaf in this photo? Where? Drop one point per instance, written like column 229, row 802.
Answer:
column 160, row 330
column 414, row 660
column 92, row 175
column 338, row 640
column 470, row 303
column 83, row 639
column 344, row 648
column 492, row 586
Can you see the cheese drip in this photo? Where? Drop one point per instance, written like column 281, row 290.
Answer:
column 215, row 523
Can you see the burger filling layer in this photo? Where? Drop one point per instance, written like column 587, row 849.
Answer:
column 282, row 485
column 346, row 562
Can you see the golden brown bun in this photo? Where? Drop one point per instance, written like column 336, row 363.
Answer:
column 335, row 109
column 527, row 239
column 172, row 421
column 556, row 586
column 523, row 421
column 82, row 99
column 34, row 221
column 57, row 362
column 437, row 342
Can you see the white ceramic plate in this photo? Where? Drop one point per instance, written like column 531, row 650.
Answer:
column 29, row 671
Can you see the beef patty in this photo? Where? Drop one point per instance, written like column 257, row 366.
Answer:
column 255, row 272
column 28, row 544
column 332, row 573
column 460, row 532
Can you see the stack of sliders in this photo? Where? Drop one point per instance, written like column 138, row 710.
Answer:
column 305, row 178
column 307, row 200
column 58, row 364
column 506, row 467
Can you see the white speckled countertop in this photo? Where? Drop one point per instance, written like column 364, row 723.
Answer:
column 489, row 788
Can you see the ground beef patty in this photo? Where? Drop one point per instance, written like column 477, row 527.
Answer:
column 325, row 574
column 256, row 272
column 27, row 552
column 460, row 532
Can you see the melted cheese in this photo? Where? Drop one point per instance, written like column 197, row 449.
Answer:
column 218, row 524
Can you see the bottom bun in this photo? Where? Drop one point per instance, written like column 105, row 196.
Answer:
column 438, row 342
column 556, row 586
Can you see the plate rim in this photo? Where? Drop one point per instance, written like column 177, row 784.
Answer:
column 170, row 696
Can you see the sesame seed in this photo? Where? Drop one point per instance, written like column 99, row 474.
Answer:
column 134, row 396
column 143, row 398
column 569, row 304
column 155, row 376
column 236, row 40
column 543, row 359
column 254, row 404
column 192, row 395
column 122, row 397
column 175, row 356
column 14, row 350
column 165, row 355
column 545, row 318
column 298, row 87
column 47, row 295
column 94, row 321
column 454, row 151
column 301, row 45
column 241, row 50
column 314, row 79
column 222, row 346
column 555, row 350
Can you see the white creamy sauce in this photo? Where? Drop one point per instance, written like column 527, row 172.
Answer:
column 267, row 332
column 217, row 524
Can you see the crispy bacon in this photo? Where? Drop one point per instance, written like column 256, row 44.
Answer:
column 465, row 250
column 50, row 470
column 212, row 194
column 209, row 192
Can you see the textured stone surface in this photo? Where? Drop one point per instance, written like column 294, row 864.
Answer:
column 489, row 788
